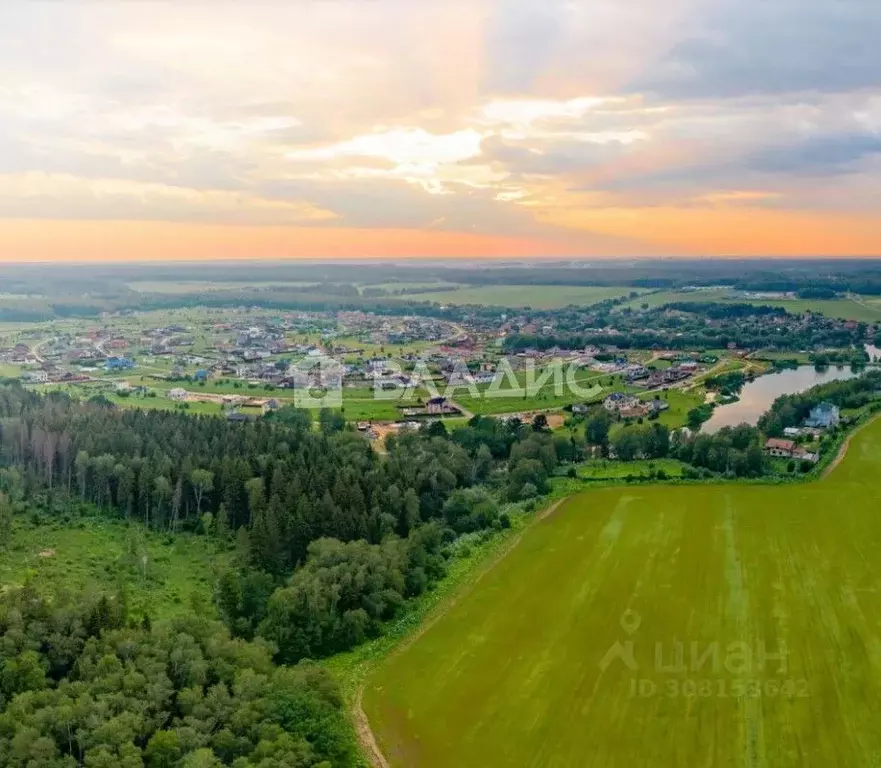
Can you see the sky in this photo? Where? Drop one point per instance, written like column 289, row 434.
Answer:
column 141, row 129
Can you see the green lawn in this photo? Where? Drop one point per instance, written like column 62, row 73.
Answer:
column 680, row 404
column 503, row 399
column 534, row 296
column 10, row 370
column 602, row 469
column 94, row 553
column 716, row 576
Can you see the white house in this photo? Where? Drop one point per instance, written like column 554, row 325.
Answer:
column 618, row 401
column 823, row 415
column 177, row 394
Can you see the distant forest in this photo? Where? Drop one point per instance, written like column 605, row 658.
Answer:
column 88, row 289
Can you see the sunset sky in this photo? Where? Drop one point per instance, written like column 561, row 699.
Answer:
column 454, row 128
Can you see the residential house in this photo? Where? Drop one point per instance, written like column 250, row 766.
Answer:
column 780, row 448
column 801, row 453
column 483, row 377
column 439, row 406
column 636, row 372
column 177, row 394
column 619, row 400
column 635, row 411
column 823, row 416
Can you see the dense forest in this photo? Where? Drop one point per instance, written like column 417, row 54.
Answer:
column 83, row 685
column 331, row 537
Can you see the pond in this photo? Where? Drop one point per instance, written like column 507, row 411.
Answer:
column 756, row 396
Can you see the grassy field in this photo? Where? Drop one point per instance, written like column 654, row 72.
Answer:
column 87, row 553
column 604, row 469
column 665, row 297
column 845, row 309
column 534, row 296
column 658, row 626
column 498, row 400
column 359, row 403
column 864, row 309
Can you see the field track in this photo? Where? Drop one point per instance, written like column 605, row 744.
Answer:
column 366, row 737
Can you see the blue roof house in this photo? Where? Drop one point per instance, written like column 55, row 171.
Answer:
column 823, row 415
column 119, row 364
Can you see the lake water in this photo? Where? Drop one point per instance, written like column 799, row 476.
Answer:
column 756, row 396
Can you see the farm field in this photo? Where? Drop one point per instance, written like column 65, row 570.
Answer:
column 864, row 309
column 81, row 553
column 659, row 626
column 844, row 309
column 534, row 296
column 666, row 297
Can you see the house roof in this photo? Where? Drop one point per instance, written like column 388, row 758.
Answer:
column 784, row 445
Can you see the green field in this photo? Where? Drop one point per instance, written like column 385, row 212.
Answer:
column 555, row 393
column 699, row 586
column 94, row 553
column 534, row 296
column 666, row 297
column 867, row 309
column 844, row 309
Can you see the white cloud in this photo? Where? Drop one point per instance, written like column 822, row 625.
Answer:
column 410, row 147
column 35, row 194
column 524, row 113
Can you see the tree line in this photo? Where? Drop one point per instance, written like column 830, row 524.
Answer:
column 732, row 451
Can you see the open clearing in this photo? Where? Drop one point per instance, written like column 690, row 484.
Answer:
column 534, row 296
column 723, row 577
column 162, row 575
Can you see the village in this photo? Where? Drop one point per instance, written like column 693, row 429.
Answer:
column 246, row 363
